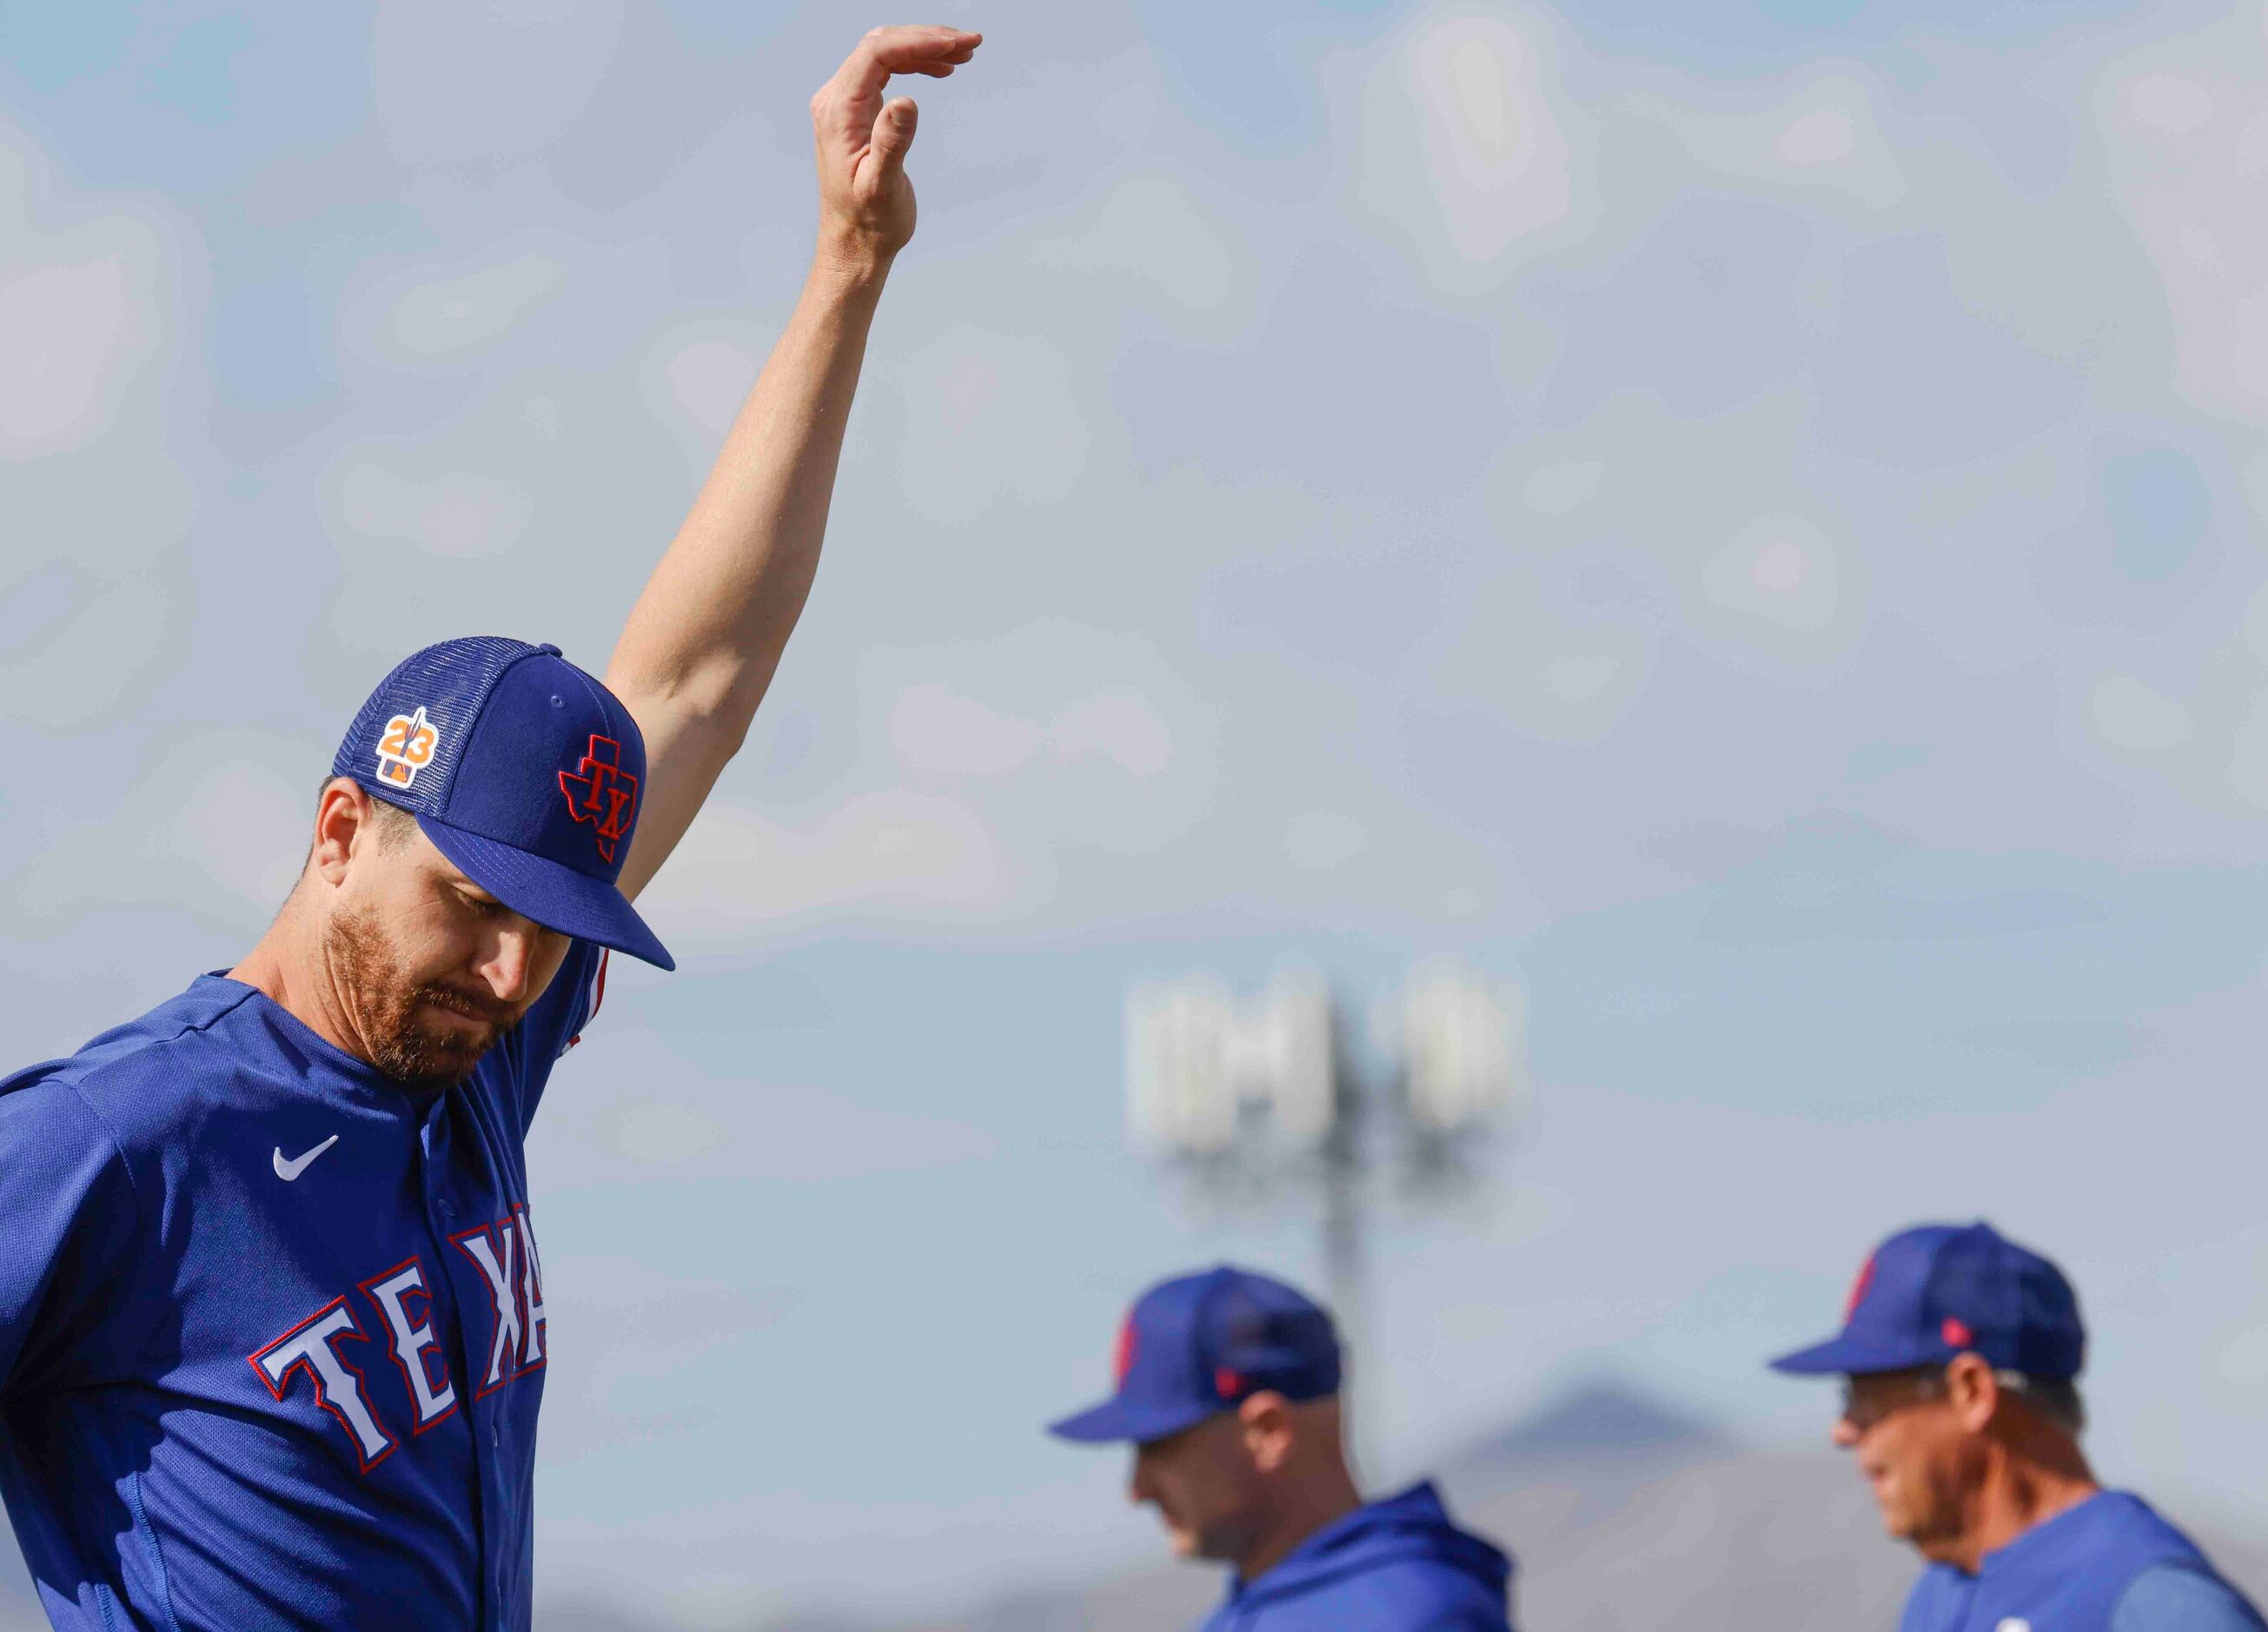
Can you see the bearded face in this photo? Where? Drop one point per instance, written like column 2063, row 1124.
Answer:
column 425, row 1035
column 423, row 970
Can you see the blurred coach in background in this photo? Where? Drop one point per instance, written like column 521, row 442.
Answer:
column 1227, row 1389
column 1961, row 1352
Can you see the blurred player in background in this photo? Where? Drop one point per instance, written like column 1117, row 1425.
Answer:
column 1228, row 1390
column 1961, row 1353
column 272, row 1323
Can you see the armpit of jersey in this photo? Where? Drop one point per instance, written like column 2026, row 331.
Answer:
column 595, row 993
column 72, row 1221
column 2171, row 1599
column 519, row 1069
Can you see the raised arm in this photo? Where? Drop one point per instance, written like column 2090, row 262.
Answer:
column 706, row 635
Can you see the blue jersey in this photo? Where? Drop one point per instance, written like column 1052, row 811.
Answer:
column 272, row 1332
column 1399, row 1565
column 2106, row 1565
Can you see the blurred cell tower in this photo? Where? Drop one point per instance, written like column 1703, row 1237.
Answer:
column 1263, row 1100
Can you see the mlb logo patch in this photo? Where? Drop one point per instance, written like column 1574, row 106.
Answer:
column 405, row 747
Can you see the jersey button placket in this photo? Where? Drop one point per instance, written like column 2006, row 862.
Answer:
column 441, row 1213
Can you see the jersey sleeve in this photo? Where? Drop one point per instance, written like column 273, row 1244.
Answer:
column 555, row 1024
column 68, row 1248
column 2173, row 1598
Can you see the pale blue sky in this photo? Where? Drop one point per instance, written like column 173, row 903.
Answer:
column 1744, row 518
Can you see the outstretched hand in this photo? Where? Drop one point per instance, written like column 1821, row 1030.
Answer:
column 865, row 201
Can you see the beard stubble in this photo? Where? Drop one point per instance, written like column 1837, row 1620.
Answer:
column 423, row 1054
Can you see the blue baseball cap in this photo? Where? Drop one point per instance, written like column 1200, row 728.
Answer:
column 1203, row 1344
column 523, row 771
column 1938, row 1291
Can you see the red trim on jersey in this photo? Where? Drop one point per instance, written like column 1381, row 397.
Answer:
column 512, row 1367
column 598, row 997
column 279, row 1386
column 531, row 1273
column 435, row 1350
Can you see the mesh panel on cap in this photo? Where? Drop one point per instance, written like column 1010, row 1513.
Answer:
column 1293, row 1349
column 2021, row 1309
column 450, row 681
column 1970, row 1281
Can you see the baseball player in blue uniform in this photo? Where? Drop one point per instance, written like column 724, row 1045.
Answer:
column 272, row 1318
column 1961, row 1352
column 1227, row 1389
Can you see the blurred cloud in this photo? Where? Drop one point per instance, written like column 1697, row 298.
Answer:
column 1751, row 557
column 95, row 502
column 1323, row 840
column 2210, row 742
column 451, row 318
column 1823, row 143
column 1903, row 330
column 2132, row 719
column 1779, row 578
column 457, row 86
column 218, row 826
column 936, row 730
column 1463, row 154
column 1552, row 677
column 454, row 513
column 1709, row 309
column 889, row 853
column 709, row 379
column 1157, row 246
column 991, row 419
column 72, row 330
column 2184, row 152
column 86, row 310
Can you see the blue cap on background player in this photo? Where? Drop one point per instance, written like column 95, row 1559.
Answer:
column 523, row 771
column 1200, row 1345
column 1938, row 1291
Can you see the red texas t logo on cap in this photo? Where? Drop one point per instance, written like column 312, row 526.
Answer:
column 1859, row 1289
column 600, row 791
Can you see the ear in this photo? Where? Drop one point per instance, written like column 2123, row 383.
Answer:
column 1266, row 1420
column 342, row 822
column 1972, row 1391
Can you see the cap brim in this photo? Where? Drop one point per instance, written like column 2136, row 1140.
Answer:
column 1842, row 1356
column 1121, row 1419
column 556, row 897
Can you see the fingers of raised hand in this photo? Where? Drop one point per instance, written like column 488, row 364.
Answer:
column 843, row 109
column 919, row 49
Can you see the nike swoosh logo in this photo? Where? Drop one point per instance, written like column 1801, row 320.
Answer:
column 289, row 1171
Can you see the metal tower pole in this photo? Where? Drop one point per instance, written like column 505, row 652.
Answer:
column 1345, row 1256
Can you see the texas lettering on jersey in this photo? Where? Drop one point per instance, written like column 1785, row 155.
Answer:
column 389, row 1316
